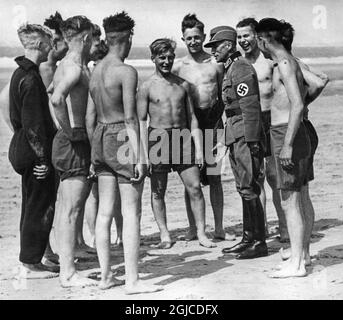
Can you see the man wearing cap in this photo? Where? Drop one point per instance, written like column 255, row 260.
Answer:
column 244, row 136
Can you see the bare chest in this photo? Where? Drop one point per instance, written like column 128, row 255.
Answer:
column 198, row 73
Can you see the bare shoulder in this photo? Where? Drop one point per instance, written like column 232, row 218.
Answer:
column 287, row 66
column 68, row 69
column 146, row 84
column 182, row 82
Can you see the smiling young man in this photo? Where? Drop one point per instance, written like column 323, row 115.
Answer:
column 244, row 137
column 204, row 76
column 165, row 97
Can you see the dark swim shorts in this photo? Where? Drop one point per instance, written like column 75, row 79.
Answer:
column 296, row 177
column 209, row 119
column 165, row 156
column 314, row 144
column 71, row 155
column 109, row 143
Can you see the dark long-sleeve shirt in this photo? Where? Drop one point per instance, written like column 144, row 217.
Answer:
column 30, row 117
column 241, row 97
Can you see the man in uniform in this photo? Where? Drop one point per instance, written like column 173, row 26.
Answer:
column 244, row 136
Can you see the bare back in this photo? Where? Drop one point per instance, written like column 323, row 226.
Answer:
column 281, row 105
column 78, row 94
column 106, row 89
column 167, row 106
column 203, row 78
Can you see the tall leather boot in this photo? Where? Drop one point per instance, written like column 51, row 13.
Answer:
column 258, row 247
column 247, row 238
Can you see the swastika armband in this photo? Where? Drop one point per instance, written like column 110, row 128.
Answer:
column 246, row 87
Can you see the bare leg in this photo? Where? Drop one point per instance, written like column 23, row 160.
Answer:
column 118, row 218
column 191, row 180
column 108, row 195
column 74, row 192
column 290, row 201
column 92, row 210
column 217, row 203
column 271, row 178
column 80, row 244
column 192, row 232
column 263, row 199
column 309, row 221
column 158, row 189
column 130, row 195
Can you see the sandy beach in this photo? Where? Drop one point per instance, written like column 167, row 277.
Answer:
column 188, row 271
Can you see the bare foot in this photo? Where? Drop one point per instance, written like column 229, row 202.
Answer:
column 189, row 236
column 77, row 281
column 285, row 253
column 81, row 249
column 205, row 242
column 224, row 236
column 289, row 271
column 110, row 282
column 141, row 287
column 162, row 245
column 118, row 241
column 35, row 271
column 50, row 265
column 283, row 264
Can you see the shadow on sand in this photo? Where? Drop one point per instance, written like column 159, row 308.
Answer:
column 171, row 263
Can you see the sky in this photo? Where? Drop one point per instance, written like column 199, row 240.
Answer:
column 316, row 22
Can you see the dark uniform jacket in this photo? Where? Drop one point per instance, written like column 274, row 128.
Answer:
column 241, row 98
column 30, row 117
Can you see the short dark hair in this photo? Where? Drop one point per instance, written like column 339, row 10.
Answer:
column 248, row 22
column 96, row 32
column 102, row 51
column 191, row 21
column 75, row 25
column 281, row 31
column 118, row 23
column 54, row 22
column 162, row 45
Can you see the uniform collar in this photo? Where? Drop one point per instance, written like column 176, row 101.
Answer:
column 26, row 64
column 231, row 59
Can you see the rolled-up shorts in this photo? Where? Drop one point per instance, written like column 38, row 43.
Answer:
column 167, row 154
column 291, row 179
column 314, row 144
column 71, row 156
column 110, row 152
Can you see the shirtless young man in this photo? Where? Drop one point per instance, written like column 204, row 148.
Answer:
column 204, row 75
column 71, row 148
column 166, row 98
column 113, row 91
column 291, row 147
column 247, row 39
column 98, row 51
